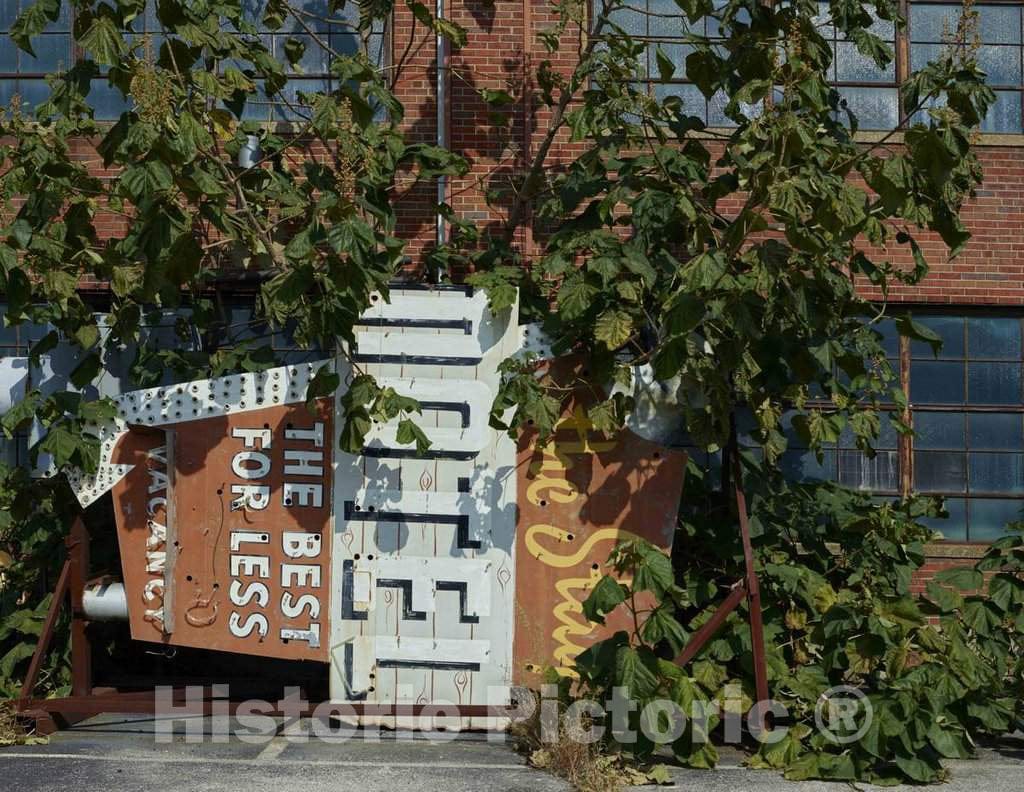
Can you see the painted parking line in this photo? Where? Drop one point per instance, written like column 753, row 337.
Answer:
column 248, row 761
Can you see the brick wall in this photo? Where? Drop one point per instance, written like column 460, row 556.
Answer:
column 501, row 53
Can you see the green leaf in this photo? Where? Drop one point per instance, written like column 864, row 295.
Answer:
column 409, row 432
column 918, row 769
column 919, row 332
column 613, row 328
column 324, row 383
column 654, row 572
column 33, row 19
column 606, row 596
column 21, row 413
column 294, row 49
column 666, row 68
column 633, row 671
column 944, row 598
column 575, row 296
column 62, row 444
column 87, row 370
column 962, row 578
column 103, row 41
column 353, row 433
column 660, row 625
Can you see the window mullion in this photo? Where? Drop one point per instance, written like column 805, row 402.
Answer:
column 905, row 442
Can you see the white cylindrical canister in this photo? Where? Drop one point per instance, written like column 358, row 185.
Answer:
column 105, row 602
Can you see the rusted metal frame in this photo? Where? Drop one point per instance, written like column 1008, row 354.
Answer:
column 81, row 648
column 46, row 636
column 753, row 585
column 749, row 588
column 145, row 702
column 906, row 442
column 710, row 627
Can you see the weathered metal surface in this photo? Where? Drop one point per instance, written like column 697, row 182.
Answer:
column 578, row 496
column 423, row 570
column 221, row 495
column 243, row 528
column 248, row 559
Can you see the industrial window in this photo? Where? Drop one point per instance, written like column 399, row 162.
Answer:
column 842, row 461
column 15, row 343
column 321, row 33
column 320, row 30
column 967, row 411
column 869, row 92
column 968, row 416
column 999, row 52
column 22, row 74
column 240, row 325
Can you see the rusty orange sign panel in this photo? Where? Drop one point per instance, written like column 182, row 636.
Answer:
column 224, row 526
column 579, row 496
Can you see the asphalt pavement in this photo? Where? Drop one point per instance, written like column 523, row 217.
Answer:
column 121, row 754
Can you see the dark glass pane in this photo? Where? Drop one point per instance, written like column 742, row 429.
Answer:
column 993, row 383
column 937, row 430
column 8, row 13
column 851, row 66
column 1001, row 64
column 63, row 21
column 995, row 472
column 53, row 53
column 257, row 106
column 347, row 43
column 933, row 22
column 936, row 382
column 890, row 337
column 241, row 326
column 995, row 431
column 674, row 51
column 315, row 59
column 993, row 338
column 316, row 14
column 291, row 107
column 667, row 20
column 939, row 471
column 1004, row 115
column 822, row 21
column 693, row 100
column 856, row 470
column 714, row 29
column 999, row 24
column 106, row 101
column 987, row 517
column 804, row 466
column 950, row 329
column 716, row 111
column 375, row 49
column 954, row 527
column 8, row 56
column 886, row 434
column 875, row 108
column 635, row 23
column 8, row 334
column 33, row 93
column 923, row 54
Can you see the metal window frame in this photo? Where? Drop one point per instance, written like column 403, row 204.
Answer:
column 901, row 50
column 966, row 407
column 907, row 35
column 76, row 54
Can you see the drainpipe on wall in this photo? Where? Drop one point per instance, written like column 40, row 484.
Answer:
column 441, row 45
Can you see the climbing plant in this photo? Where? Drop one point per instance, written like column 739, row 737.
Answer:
column 223, row 161
column 748, row 268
